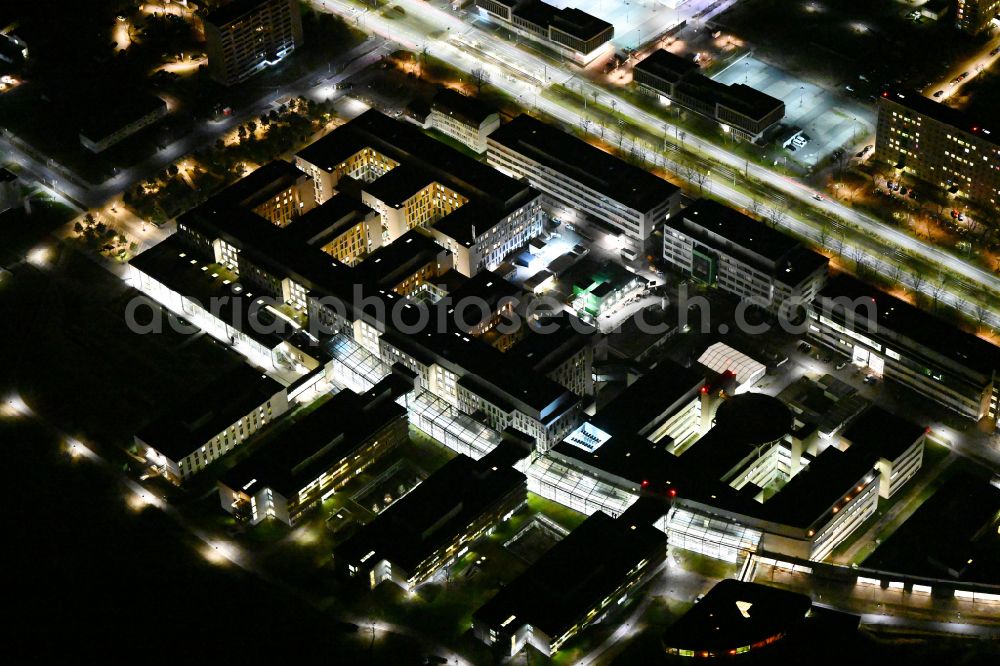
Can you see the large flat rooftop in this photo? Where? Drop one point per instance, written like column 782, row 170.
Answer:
column 405, row 143
column 574, row 576
column 311, row 446
column 883, row 433
column 710, row 221
column 584, row 163
column 979, row 127
column 908, row 321
column 649, row 397
column 734, row 615
column 208, row 412
column 432, row 514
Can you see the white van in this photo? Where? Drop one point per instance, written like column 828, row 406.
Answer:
column 629, row 254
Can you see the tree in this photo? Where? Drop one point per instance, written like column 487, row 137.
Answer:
column 479, row 77
column 982, row 315
column 777, row 214
column 78, row 228
column 938, row 288
column 172, row 170
column 824, row 233
column 860, row 259
column 895, row 273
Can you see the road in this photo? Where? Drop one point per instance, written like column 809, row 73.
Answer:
column 972, row 67
column 217, row 549
column 86, row 195
column 524, row 75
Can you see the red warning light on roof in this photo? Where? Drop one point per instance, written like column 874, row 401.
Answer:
column 704, row 389
column 672, row 492
column 645, row 483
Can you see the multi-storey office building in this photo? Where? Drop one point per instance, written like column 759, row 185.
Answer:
column 974, row 16
column 245, row 36
column 194, row 285
column 261, row 255
column 477, row 379
column 463, row 118
column 563, row 350
column 223, row 250
column 404, row 265
column 893, row 339
column 578, row 176
column 713, row 503
column 821, row 505
column 666, row 405
column 576, row 34
column 939, row 145
column 743, row 111
column 412, row 181
column 343, row 227
column 748, row 444
column 277, row 191
column 722, row 247
column 211, row 423
column 577, row 582
column 317, row 455
column 435, row 523
column 895, row 443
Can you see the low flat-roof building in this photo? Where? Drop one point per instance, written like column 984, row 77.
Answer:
column 893, row 339
column 130, row 112
column 211, row 422
column 740, row 110
column 734, row 618
column 435, row 522
column 577, row 582
column 463, row 118
column 572, row 32
column 317, row 455
column 578, row 176
column 723, row 247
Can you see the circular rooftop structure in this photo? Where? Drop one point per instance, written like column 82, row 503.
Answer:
column 755, row 418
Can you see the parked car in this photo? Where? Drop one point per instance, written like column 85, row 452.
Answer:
column 939, row 93
column 841, row 365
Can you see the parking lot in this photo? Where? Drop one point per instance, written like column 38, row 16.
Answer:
column 830, row 120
